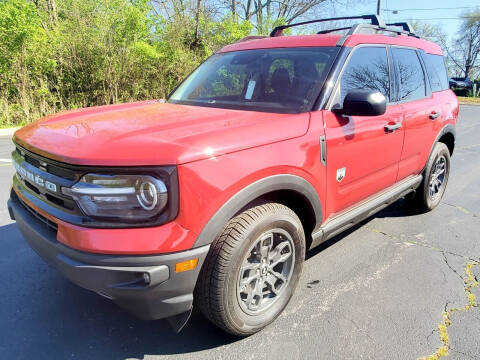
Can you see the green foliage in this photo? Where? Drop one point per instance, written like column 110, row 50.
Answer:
column 62, row 54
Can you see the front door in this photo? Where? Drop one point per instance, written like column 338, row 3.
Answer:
column 362, row 153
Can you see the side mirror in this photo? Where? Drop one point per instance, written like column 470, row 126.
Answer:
column 363, row 102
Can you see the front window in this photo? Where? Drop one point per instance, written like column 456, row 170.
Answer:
column 367, row 69
column 285, row 80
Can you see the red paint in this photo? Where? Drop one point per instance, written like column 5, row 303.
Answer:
column 401, row 40
column 284, row 41
column 369, row 155
column 219, row 152
column 332, row 40
column 126, row 134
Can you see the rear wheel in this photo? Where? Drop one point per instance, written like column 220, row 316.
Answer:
column 252, row 269
column 434, row 183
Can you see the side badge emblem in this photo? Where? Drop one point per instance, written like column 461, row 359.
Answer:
column 340, row 174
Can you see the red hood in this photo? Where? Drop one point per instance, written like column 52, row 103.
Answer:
column 151, row 133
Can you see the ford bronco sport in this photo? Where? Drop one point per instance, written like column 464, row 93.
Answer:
column 211, row 198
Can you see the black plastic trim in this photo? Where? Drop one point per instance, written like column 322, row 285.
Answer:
column 447, row 129
column 375, row 20
column 370, row 206
column 331, row 79
column 254, row 191
column 118, row 277
column 323, row 150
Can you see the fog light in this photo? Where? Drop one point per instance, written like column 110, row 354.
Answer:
column 186, row 265
column 146, row 278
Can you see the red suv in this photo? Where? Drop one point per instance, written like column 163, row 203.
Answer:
column 270, row 147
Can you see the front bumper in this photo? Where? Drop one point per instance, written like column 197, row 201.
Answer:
column 117, row 277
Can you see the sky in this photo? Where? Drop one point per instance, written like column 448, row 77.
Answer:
column 443, row 12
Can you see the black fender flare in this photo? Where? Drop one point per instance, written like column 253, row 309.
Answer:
column 447, row 129
column 252, row 192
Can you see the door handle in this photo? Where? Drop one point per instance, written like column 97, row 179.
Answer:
column 393, row 127
column 434, row 115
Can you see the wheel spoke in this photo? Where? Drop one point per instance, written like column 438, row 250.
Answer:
column 278, row 275
column 255, row 295
column 270, row 281
column 279, row 255
column 250, row 297
column 266, row 245
column 248, row 280
column 250, row 266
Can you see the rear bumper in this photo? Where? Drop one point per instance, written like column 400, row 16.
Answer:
column 119, row 277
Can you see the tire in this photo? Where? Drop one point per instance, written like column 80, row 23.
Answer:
column 224, row 293
column 426, row 198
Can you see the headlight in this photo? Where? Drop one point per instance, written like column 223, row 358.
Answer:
column 128, row 198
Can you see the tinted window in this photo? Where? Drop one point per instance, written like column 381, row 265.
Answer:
column 437, row 72
column 367, row 69
column 412, row 79
column 278, row 80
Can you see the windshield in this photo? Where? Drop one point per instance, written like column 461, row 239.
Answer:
column 285, row 80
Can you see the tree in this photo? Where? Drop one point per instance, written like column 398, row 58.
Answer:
column 465, row 50
column 265, row 14
column 430, row 32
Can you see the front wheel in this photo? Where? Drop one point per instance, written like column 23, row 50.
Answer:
column 434, row 183
column 252, row 269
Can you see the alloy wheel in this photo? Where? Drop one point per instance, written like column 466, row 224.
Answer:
column 265, row 271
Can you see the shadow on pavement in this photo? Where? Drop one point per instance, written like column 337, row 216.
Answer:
column 399, row 208
column 44, row 316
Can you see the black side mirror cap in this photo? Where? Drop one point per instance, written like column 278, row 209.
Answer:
column 363, row 102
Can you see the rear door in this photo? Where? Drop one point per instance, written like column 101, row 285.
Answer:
column 423, row 113
column 362, row 155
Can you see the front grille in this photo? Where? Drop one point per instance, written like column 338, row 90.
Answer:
column 48, row 172
column 51, row 166
column 48, row 223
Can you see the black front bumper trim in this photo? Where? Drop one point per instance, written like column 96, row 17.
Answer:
column 161, row 294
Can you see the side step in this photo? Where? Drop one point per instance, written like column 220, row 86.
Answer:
column 360, row 212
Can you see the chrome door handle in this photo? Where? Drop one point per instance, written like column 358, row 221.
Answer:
column 434, row 115
column 393, row 127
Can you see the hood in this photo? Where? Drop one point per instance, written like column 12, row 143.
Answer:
column 153, row 133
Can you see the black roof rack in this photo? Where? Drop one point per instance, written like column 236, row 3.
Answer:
column 374, row 20
column 404, row 25
column 376, row 25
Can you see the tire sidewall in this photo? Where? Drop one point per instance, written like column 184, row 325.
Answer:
column 244, row 322
column 439, row 150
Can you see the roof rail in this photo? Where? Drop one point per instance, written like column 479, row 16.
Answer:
column 357, row 29
column 374, row 20
column 406, row 26
column 376, row 25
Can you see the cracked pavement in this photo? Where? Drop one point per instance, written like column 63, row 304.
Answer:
column 378, row 291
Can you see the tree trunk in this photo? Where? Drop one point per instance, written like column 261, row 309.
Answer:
column 197, row 20
column 52, row 11
column 234, row 10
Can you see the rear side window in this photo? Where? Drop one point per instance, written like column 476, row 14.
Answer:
column 411, row 76
column 367, row 69
column 437, row 72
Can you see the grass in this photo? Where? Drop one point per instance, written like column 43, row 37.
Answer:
column 470, row 100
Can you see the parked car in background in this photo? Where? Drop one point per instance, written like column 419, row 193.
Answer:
column 460, row 83
column 269, row 148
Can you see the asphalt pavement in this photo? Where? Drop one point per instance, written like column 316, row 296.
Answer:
column 399, row 286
